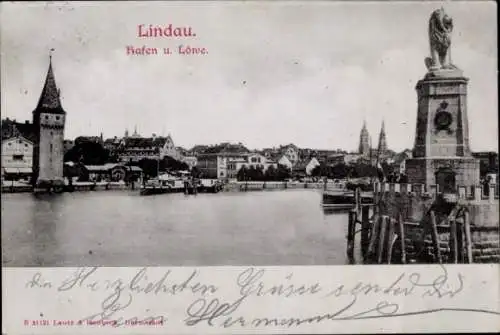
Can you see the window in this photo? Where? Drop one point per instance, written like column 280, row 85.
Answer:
column 25, row 145
column 46, row 117
column 17, row 157
column 57, row 118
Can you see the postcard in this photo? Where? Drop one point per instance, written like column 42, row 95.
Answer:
column 220, row 167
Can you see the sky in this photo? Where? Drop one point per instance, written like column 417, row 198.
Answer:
column 306, row 73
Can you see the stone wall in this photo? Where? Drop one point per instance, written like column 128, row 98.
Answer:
column 419, row 246
column 413, row 202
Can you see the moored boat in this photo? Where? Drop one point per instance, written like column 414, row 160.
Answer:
column 342, row 199
column 210, row 186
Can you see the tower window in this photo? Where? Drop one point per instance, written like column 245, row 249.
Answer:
column 17, row 157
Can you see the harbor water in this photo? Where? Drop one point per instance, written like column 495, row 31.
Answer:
column 121, row 228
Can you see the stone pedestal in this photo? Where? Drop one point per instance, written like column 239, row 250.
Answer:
column 465, row 170
column 441, row 154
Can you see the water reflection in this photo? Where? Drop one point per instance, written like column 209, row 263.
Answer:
column 43, row 227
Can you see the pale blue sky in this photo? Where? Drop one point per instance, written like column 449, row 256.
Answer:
column 300, row 72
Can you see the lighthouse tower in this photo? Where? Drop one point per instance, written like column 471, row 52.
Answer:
column 48, row 152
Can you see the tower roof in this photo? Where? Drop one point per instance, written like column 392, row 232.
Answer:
column 49, row 99
column 382, row 130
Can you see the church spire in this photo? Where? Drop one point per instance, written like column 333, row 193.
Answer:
column 382, row 142
column 49, row 99
column 364, row 139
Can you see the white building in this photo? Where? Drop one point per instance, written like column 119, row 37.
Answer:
column 285, row 161
column 17, row 156
column 313, row 163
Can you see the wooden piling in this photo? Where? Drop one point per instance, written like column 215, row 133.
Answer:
column 374, row 236
column 460, row 241
column 435, row 238
column 402, row 239
column 468, row 237
column 390, row 239
column 453, row 242
column 350, row 234
column 365, row 229
column 381, row 241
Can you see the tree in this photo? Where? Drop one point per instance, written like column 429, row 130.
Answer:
column 88, row 153
column 242, row 174
column 170, row 164
column 282, row 172
column 259, row 173
column 149, row 167
column 195, row 172
column 317, row 171
column 271, row 173
column 340, row 171
column 361, row 170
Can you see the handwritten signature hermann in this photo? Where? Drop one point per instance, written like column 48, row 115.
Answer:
column 209, row 306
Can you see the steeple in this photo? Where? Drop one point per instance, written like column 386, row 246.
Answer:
column 382, row 142
column 50, row 99
column 364, row 141
column 135, row 134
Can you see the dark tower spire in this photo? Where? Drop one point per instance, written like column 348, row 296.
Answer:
column 50, row 98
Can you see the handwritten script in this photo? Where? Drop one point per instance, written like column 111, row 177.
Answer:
column 226, row 303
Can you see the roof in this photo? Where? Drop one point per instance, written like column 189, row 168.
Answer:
column 226, row 148
column 49, row 98
column 11, row 128
column 238, row 160
column 105, row 167
column 18, row 137
column 17, row 170
column 301, row 165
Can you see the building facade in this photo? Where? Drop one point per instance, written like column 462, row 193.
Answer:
column 17, row 157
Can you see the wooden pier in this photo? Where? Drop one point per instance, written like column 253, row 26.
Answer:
column 418, row 224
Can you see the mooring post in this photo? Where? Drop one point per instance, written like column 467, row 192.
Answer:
column 435, row 239
column 350, row 233
column 453, row 241
column 381, row 241
column 390, row 239
column 365, row 229
column 460, row 241
column 402, row 239
column 374, row 235
column 468, row 237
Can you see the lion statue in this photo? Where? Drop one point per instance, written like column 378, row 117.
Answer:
column 440, row 28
